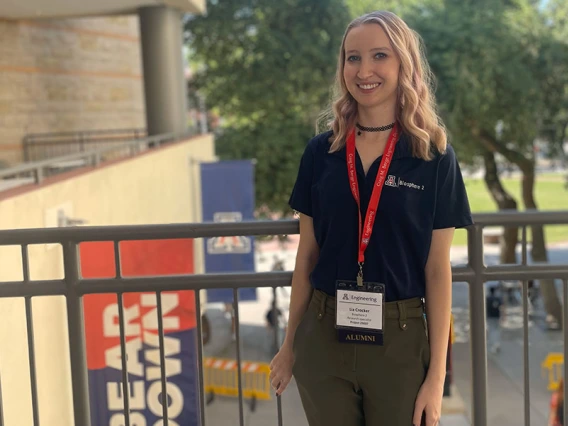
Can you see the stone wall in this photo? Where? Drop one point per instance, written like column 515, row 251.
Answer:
column 68, row 75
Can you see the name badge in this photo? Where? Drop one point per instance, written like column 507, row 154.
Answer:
column 360, row 312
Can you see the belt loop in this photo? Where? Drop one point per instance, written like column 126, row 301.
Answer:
column 322, row 305
column 402, row 315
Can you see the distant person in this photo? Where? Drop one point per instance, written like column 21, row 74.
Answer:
column 274, row 313
column 230, row 314
column 278, row 264
column 273, row 316
column 493, row 306
column 379, row 196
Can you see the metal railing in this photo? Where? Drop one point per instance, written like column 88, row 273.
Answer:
column 43, row 146
column 74, row 287
column 36, row 172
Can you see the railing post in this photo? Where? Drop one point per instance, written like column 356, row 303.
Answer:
column 26, row 146
column 38, row 175
column 477, row 329
column 77, row 347
column 96, row 159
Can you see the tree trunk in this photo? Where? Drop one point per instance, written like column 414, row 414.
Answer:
column 538, row 250
column 548, row 291
column 504, row 202
column 560, row 143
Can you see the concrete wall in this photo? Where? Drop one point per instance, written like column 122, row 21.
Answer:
column 160, row 186
column 67, row 75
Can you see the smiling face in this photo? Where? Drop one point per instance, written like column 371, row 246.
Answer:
column 371, row 67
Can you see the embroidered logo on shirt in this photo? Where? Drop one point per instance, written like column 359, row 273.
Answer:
column 395, row 183
column 410, row 185
column 391, row 181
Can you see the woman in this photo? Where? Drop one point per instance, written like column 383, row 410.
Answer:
column 379, row 196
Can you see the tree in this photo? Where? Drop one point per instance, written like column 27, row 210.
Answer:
column 496, row 78
column 400, row 7
column 266, row 69
column 554, row 57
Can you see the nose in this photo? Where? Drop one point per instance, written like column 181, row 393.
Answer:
column 365, row 70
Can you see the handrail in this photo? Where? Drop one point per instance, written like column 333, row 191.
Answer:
column 73, row 286
column 48, row 143
column 229, row 229
column 38, row 169
column 81, row 133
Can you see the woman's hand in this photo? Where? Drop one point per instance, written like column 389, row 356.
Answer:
column 281, row 369
column 429, row 403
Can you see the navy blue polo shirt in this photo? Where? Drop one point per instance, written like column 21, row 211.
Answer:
column 418, row 197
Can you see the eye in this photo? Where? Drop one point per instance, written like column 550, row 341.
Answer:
column 380, row 55
column 353, row 58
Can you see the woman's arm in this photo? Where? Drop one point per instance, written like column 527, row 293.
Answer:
column 439, row 301
column 306, row 258
column 438, row 305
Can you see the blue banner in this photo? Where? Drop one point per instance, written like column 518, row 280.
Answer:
column 227, row 194
column 142, row 350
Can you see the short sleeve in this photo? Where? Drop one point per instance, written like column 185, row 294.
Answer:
column 301, row 198
column 452, row 208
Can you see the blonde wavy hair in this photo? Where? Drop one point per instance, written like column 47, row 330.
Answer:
column 416, row 110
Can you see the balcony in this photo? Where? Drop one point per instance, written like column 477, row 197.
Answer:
column 73, row 288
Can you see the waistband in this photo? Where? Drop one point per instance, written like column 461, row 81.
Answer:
column 400, row 309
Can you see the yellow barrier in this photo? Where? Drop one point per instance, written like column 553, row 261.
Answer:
column 553, row 363
column 221, row 378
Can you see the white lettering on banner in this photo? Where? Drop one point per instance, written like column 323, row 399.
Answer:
column 136, row 419
column 173, row 393
column 172, row 346
column 111, row 327
column 113, row 357
column 169, row 303
column 115, row 397
column 138, row 397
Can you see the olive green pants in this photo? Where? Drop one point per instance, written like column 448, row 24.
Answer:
column 345, row 384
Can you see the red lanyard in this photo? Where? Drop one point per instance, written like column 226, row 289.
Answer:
column 365, row 236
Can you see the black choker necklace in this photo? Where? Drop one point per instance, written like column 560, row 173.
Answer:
column 373, row 129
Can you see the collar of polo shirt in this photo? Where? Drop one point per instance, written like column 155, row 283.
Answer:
column 403, row 148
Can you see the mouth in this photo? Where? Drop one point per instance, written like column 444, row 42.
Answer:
column 368, row 87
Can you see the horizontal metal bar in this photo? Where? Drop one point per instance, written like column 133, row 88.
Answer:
column 29, row 167
column 33, row 288
column 526, row 217
column 147, row 232
column 525, row 272
column 33, row 166
column 83, row 133
column 185, row 282
column 247, row 228
column 462, row 274
column 250, row 280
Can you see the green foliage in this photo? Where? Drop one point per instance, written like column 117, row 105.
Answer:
column 400, row 7
column 500, row 71
column 554, row 73
column 267, row 67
